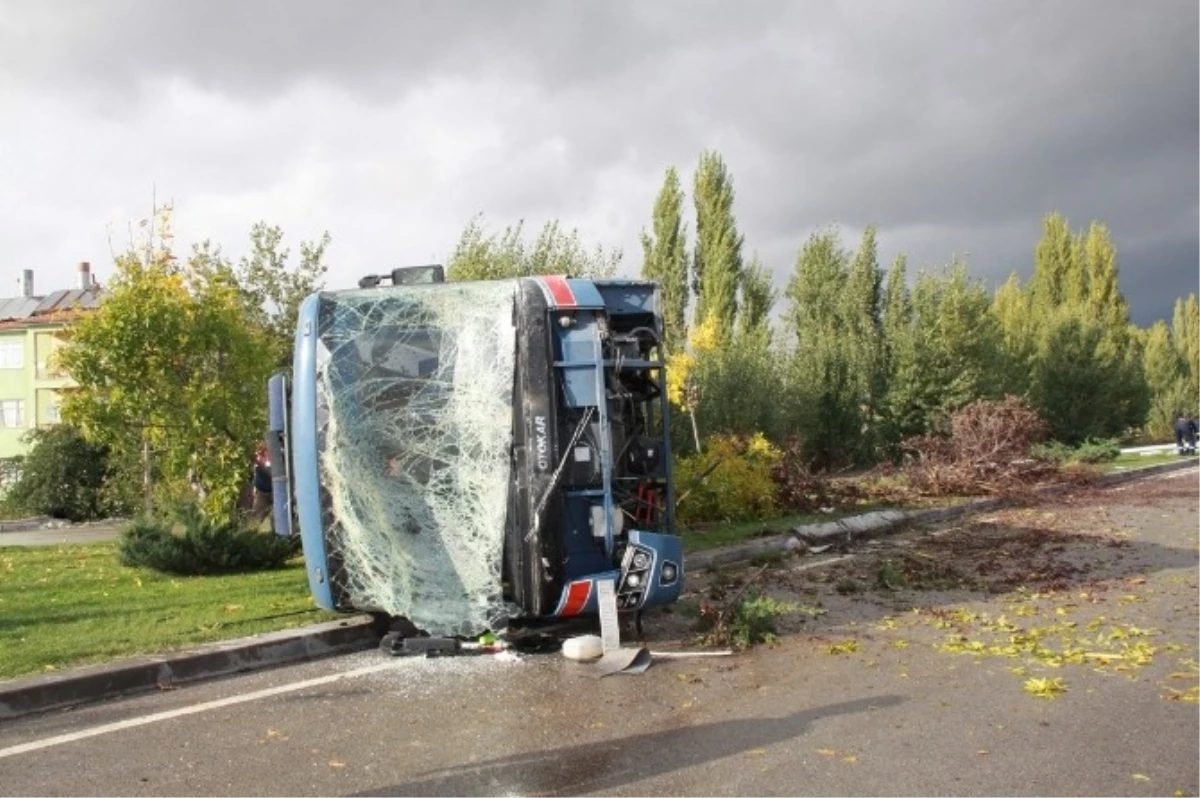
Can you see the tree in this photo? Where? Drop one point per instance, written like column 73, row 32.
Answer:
column 273, row 290
column 758, row 297
column 739, row 383
column 1075, row 305
column 1099, row 262
column 864, row 322
column 1058, row 277
column 1186, row 337
column 483, row 256
column 63, row 476
column 1080, row 382
column 717, row 257
column 664, row 259
column 1011, row 309
column 821, row 383
column 948, row 355
column 173, row 364
column 1166, row 377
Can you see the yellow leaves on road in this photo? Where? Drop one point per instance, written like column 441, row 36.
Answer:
column 845, row 756
column 1045, row 688
column 844, row 647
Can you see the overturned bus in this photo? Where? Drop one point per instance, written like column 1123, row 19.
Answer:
column 465, row 454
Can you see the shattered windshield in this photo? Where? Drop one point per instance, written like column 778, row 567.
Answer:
column 415, row 407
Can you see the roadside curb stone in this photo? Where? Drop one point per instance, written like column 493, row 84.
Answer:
column 125, row 677
column 880, row 522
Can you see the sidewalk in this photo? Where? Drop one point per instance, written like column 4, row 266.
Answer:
column 67, row 534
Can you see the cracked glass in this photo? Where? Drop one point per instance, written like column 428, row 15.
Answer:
column 414, row 393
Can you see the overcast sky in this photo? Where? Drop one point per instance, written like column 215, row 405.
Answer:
column 953, row 126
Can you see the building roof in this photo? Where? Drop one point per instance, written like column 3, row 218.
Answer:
column 58, row 306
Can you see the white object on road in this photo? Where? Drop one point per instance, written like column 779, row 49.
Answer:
column 583, row 647
column 610, row 630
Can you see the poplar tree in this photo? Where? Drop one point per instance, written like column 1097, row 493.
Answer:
column 717, row 257
column 822, row 386
column 1166, row 376
column 1186, row 337
column 1075, row 308
column 664, row 259
column 863, row 316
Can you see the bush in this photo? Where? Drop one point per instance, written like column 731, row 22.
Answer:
column 192, row 545
column 729, row 481
column 1090, row 451
column 63, row 476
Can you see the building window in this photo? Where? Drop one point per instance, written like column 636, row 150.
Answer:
column 12, row 413
column 51, row 415
column 12, row 353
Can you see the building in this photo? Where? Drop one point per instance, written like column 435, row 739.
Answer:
column 31, row 330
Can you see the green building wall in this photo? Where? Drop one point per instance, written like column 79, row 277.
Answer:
column 37, row 384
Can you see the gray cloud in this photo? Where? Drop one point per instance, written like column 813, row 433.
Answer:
column 953, row 126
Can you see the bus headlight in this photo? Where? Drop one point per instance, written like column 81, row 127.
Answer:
column 670, row 573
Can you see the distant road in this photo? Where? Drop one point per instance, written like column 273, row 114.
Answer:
column 91, row 533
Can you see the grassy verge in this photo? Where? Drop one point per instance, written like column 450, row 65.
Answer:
column 714, row 535
column 1129, row 462
column 711, row 536
column 73, row 605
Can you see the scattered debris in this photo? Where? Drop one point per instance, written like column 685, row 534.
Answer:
column 623, row 660
column 987, row 452
column 583, row 647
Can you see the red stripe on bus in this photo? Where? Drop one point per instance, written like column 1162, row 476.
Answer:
column 560, row 291
column 578, row 594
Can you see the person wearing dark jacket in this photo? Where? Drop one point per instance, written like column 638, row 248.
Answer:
column 1185, row 434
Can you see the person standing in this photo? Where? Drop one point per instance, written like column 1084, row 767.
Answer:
column 1183, row 431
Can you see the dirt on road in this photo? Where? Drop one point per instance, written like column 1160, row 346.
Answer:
column 1103, row 579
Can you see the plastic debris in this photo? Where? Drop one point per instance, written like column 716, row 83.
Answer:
column 623, row 660
column 583, row 647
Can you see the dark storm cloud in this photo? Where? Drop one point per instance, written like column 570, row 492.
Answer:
column 954, row 126
column 371, row 46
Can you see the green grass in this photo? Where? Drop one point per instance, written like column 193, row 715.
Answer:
column 74, row 605
column 711, row 536
column 1128, row 462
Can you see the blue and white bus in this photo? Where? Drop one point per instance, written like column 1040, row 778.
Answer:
column 460, row 455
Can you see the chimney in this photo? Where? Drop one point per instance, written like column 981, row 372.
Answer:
column 27, row 282
column 85, row 275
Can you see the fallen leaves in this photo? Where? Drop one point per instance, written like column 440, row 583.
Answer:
column 1045, row 688
column 845, row 756
column 1189, row 696
column 844, row 647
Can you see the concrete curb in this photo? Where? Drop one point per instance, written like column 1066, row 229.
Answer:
column 24, row 524
column 880, row 522
column 143, row 674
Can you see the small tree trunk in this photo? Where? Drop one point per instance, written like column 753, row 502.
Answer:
column 146, row 486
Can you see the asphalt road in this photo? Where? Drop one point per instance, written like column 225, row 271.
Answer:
column 63, row 535
column 866, row 699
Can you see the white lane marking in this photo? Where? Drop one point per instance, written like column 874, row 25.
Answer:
column 95, row 731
